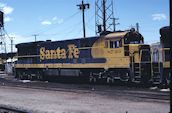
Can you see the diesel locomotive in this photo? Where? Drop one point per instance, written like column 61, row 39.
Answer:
column 160, row 55
column 165, row 50
column 120, row 55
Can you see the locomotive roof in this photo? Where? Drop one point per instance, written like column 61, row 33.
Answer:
column 77, row 39
column 49, row 41
column 115, row 35
column 125, row 34
column 28, row 44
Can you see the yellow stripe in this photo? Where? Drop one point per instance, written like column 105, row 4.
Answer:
column 26, row 56
column 165, row 49
column 88, row 65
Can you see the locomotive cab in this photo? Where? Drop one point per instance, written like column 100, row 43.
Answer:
column 127, row 53
column 140, row 59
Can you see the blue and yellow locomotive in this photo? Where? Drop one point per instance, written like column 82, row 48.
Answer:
column 160, row 58
column 118, row 55
column 165, row 50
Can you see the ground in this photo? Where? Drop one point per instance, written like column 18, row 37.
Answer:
column 45, row 97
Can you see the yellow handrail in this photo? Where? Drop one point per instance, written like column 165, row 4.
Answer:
column 132, row 62
column 151, row 63
column 159, row 61
column 140, row 61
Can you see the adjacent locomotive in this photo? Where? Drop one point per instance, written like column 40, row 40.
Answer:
column 165, row 45
column 160, row 55
column 2, row 65
column 119, row 55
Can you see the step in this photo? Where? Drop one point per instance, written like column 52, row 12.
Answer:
column 136, row 67
column 136, row 81
column 137, row 72
column 137, row 77
column 156, row 82
column 116, row 78
column 156, row 72
column 156, row 77
column 2, row 72
column 155, row 67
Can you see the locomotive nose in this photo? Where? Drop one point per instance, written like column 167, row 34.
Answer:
column 144, row 51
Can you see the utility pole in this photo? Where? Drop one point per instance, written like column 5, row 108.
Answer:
column 2, row 35
column 114, row 23
column 11, row 44
column 11, row 50
column 2, row 40
column 137, row 27
column 35, row 35
column 83, row 7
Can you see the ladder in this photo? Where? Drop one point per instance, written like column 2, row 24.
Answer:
column 155, row 69
column 137, row 72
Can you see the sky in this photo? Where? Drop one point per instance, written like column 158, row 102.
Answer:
column 62, row 19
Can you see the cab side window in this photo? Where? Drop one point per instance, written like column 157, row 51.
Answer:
column 115, row 44
column 112, row 44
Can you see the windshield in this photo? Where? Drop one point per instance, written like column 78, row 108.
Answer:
column 133, row 38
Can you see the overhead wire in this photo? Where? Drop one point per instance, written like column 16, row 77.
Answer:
column 88, row 25
column 68, row 18
column 52, row 26
column 73, row 26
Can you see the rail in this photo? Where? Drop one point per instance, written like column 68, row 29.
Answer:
column 5, row 109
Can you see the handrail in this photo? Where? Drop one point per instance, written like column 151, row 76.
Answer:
column 140, row 61
column 132, row 59
column 151, row 62
column 159, row 61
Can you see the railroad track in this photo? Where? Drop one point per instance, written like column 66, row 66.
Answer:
column 121, row 91
column 5, row 109
column 141, row 95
